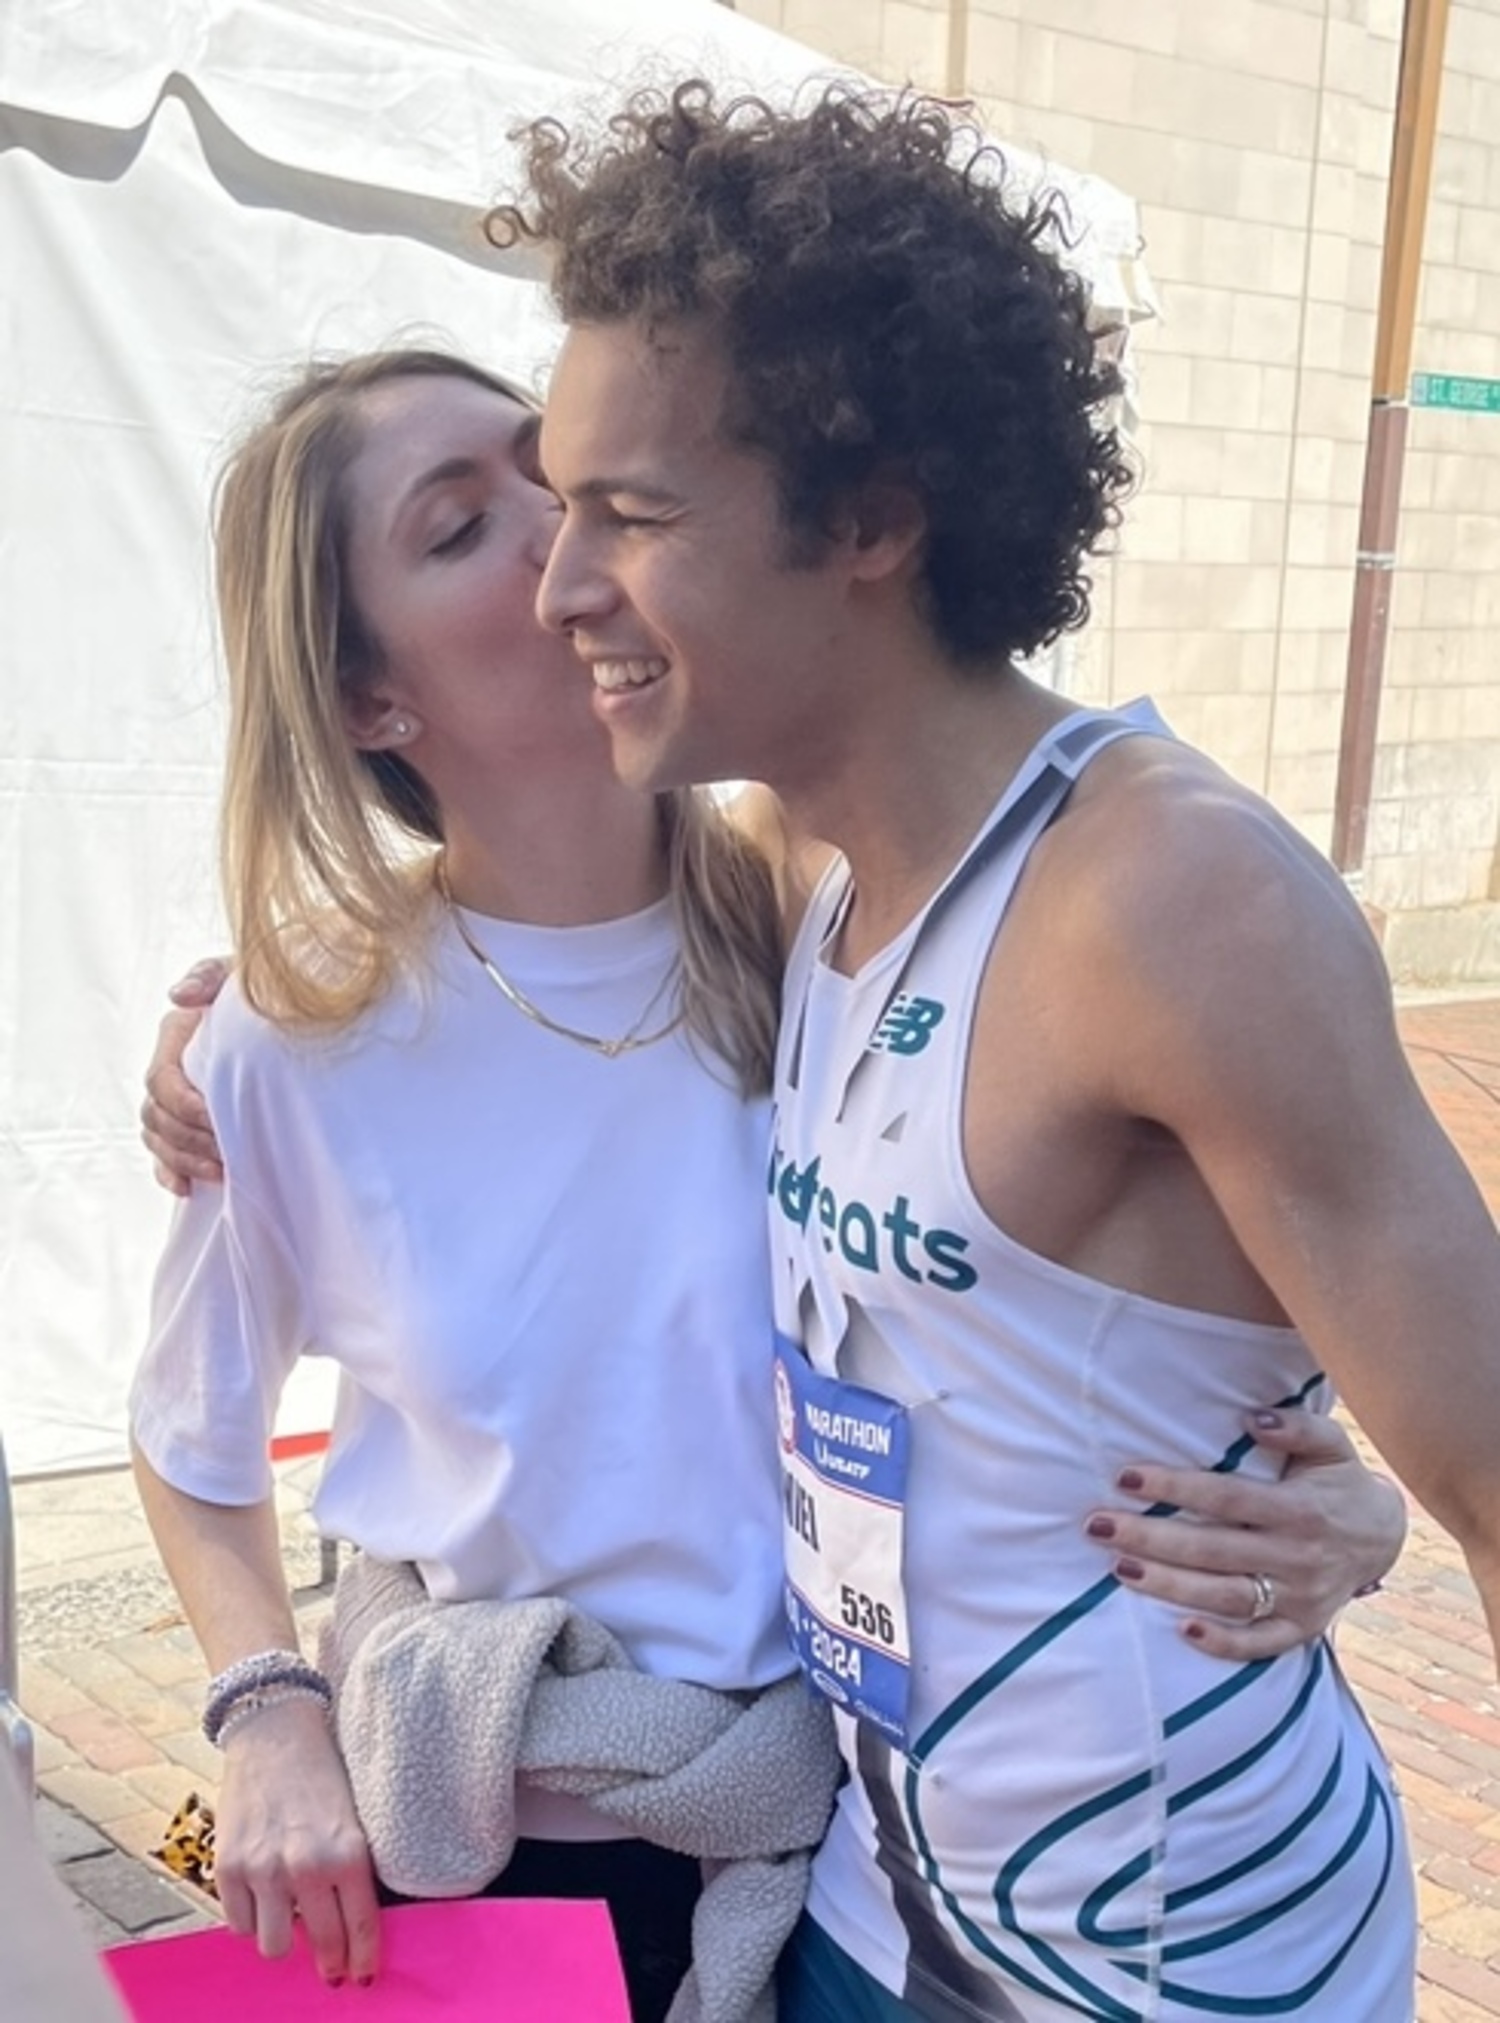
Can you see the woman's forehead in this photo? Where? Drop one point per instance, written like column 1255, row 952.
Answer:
column 415, row 421
column 413, row 400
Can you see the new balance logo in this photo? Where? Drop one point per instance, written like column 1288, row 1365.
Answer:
column 908, row 1024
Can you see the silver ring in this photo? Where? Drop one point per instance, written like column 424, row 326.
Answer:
column 1265, row 1597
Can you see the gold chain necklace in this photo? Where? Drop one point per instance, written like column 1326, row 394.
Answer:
column 627, row 1043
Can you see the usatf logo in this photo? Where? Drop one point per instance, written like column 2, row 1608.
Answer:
column 786, row 1411
column 908, row 1024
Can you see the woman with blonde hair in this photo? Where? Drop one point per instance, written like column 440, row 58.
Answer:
column 489, row 1090
column 489, row 1085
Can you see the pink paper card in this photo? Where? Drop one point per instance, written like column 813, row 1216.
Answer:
column 478, row 1960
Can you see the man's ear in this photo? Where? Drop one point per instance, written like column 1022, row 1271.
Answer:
column 885, row 529
column 377, row 723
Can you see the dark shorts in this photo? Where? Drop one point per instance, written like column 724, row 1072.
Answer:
column 650, row 1892
column 817, row 1982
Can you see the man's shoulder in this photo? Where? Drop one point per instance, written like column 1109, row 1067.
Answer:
column 1166, row 879
column 1141, row 786
column 1154, row 825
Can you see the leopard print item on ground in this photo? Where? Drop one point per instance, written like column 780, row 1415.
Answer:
column 187, row 1846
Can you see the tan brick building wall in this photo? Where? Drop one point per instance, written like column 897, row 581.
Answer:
column 1255, row 136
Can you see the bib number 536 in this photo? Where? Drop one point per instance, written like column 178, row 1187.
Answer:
column 869, row 1618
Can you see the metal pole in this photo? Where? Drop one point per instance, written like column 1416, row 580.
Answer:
column 15, row 1729
column 958, row 49
column 1423, row 36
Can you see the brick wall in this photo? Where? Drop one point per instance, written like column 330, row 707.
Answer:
column 1255, row 135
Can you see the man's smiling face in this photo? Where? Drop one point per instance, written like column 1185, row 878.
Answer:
column 712, row 653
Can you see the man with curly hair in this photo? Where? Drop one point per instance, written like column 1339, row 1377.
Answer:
column 1093, row 1129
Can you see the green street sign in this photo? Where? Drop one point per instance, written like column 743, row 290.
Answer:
column 1447, row 389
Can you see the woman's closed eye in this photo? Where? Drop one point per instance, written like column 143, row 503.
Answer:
column 461, row 537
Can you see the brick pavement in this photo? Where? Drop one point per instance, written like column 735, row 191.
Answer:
column 112, row 1680
column 1418, row 1653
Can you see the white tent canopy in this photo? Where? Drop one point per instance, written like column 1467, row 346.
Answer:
column 194, row 194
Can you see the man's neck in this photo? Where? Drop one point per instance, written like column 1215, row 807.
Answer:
column 923, row 765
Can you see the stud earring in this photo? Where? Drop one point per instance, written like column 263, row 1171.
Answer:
column 401, row 727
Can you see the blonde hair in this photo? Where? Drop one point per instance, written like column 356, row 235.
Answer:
column 326, row 851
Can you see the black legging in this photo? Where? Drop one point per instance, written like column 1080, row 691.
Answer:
column 650, row 1892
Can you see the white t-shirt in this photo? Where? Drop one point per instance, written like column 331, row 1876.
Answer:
column 541, row 1273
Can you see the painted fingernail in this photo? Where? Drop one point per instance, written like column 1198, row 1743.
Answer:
column 1130, row 1569
column 335, row 1980
column 1129, row 1478
column 1194, row 1632
column 1268, row 1420
column 1101, row 1527
column 366, row 1981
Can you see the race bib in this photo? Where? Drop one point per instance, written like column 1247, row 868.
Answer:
column 843, row 1492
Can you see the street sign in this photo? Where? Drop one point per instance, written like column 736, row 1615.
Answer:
column 1448, row 389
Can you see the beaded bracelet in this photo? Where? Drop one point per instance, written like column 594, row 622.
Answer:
column 250, row 1677
column 224, row 1698
column 253, row 1703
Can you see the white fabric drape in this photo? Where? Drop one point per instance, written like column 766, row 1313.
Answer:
column 193, row 195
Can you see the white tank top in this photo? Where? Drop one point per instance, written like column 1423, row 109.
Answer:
column 1091, row 1818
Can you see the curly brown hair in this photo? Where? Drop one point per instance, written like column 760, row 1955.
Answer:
column 887, row 313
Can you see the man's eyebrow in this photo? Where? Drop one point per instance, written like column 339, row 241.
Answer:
column 524, row 443
column 637, row 488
